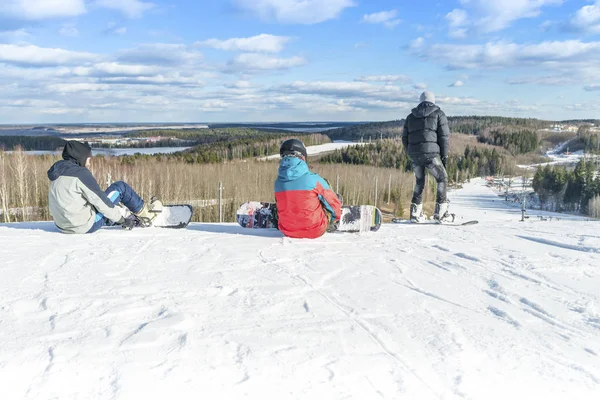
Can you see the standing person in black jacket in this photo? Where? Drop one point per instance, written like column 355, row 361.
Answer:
column 425, row 138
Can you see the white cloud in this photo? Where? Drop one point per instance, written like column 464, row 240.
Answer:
column 457, row 21
column 457, row 84
column 360, row 45
column 418, row 43
column 30, row 55
column 69, row 30
column 384, row 78
column 160, row 54
column 252, row 62
column 131, row 8
column 493, row 16
column 457, row 17
column 569, row 62
column 262, row 43
column 78, row 87
column 463, row 101
column 14, row 35
column 38, row 103
column 239, row 85
column 296, row 11
column 547, row 80
column 592, row 88
column 420, row 86
column 587, row 19
column 547, row 25
column 173, row 79
column 387, row 18
column 35, row 10
column 345, row 90
column 506, row 54
column 116, row 30
column 116, row 69
column 361, row 96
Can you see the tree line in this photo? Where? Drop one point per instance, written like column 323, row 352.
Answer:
column 49, row 143
column 218, row 152
column 209, row 135
column 24, row 184
column 520, row 141
column 142, row 144
column 369, row 131
column 474, row 125
column 560, row 189
column 391, row 154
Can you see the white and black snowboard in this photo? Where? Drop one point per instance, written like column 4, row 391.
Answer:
column 174, row 216
column 433, row 222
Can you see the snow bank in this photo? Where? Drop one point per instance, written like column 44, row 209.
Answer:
column 499, row 310
column 559, row 156
column 322, row 148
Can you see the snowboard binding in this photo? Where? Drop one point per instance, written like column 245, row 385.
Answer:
column 442, row 215
column 416, row 213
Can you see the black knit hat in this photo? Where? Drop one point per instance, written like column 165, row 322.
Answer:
column 77, row 151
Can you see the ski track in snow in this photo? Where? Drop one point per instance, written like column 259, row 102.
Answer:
column 217, row 311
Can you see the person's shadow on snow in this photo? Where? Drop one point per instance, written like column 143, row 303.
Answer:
column 228, row 229
column 231, row 229
column 32, row 226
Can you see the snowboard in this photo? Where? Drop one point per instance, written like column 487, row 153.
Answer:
column 174, row 216
column 433, row 222
column 254, row 214
column 261, row 215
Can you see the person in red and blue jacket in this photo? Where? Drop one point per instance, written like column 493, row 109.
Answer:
column 306, row 205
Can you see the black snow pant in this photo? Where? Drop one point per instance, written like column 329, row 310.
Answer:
column 436, row 168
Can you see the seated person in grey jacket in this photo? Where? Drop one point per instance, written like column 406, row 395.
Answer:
column 78, row 205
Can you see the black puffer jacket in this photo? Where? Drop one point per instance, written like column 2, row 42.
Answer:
column 426, row 133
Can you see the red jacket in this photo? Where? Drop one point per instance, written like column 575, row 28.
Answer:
column 302, row 197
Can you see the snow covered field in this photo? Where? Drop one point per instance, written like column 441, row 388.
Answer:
column 500, row 310
column 559, row 156
column 321, row 148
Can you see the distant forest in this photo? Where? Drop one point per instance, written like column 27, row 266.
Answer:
column 370, row 131
column 390, row 154
column 560, row 189
column 210, row 135
column 239, row 149
column 31, row 142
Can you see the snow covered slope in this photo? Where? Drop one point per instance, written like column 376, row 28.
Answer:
column 321, row 148
column 500, row 310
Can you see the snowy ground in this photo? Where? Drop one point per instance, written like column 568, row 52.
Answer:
column 559, row 156
column 321, row 148
column 500, row 310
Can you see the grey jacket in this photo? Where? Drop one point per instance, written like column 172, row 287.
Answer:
column 426, row 133
column 75, row 198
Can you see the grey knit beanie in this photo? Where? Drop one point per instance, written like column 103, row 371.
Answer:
column 428, row 96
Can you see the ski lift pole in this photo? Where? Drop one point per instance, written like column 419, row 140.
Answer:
column 523, row 208
column 220, row 202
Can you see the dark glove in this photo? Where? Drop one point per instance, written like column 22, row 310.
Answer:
column 445, row 161
column 127, row 223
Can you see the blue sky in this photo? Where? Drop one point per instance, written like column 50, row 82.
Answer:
column 295, row 60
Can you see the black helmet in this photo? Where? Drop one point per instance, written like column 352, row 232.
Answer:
column 291, row 147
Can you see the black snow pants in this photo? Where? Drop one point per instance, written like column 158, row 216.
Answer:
column 436, row 168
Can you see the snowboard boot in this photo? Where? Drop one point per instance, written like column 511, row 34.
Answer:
column 149, row 212
column 441, row 214
column 416, row 213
